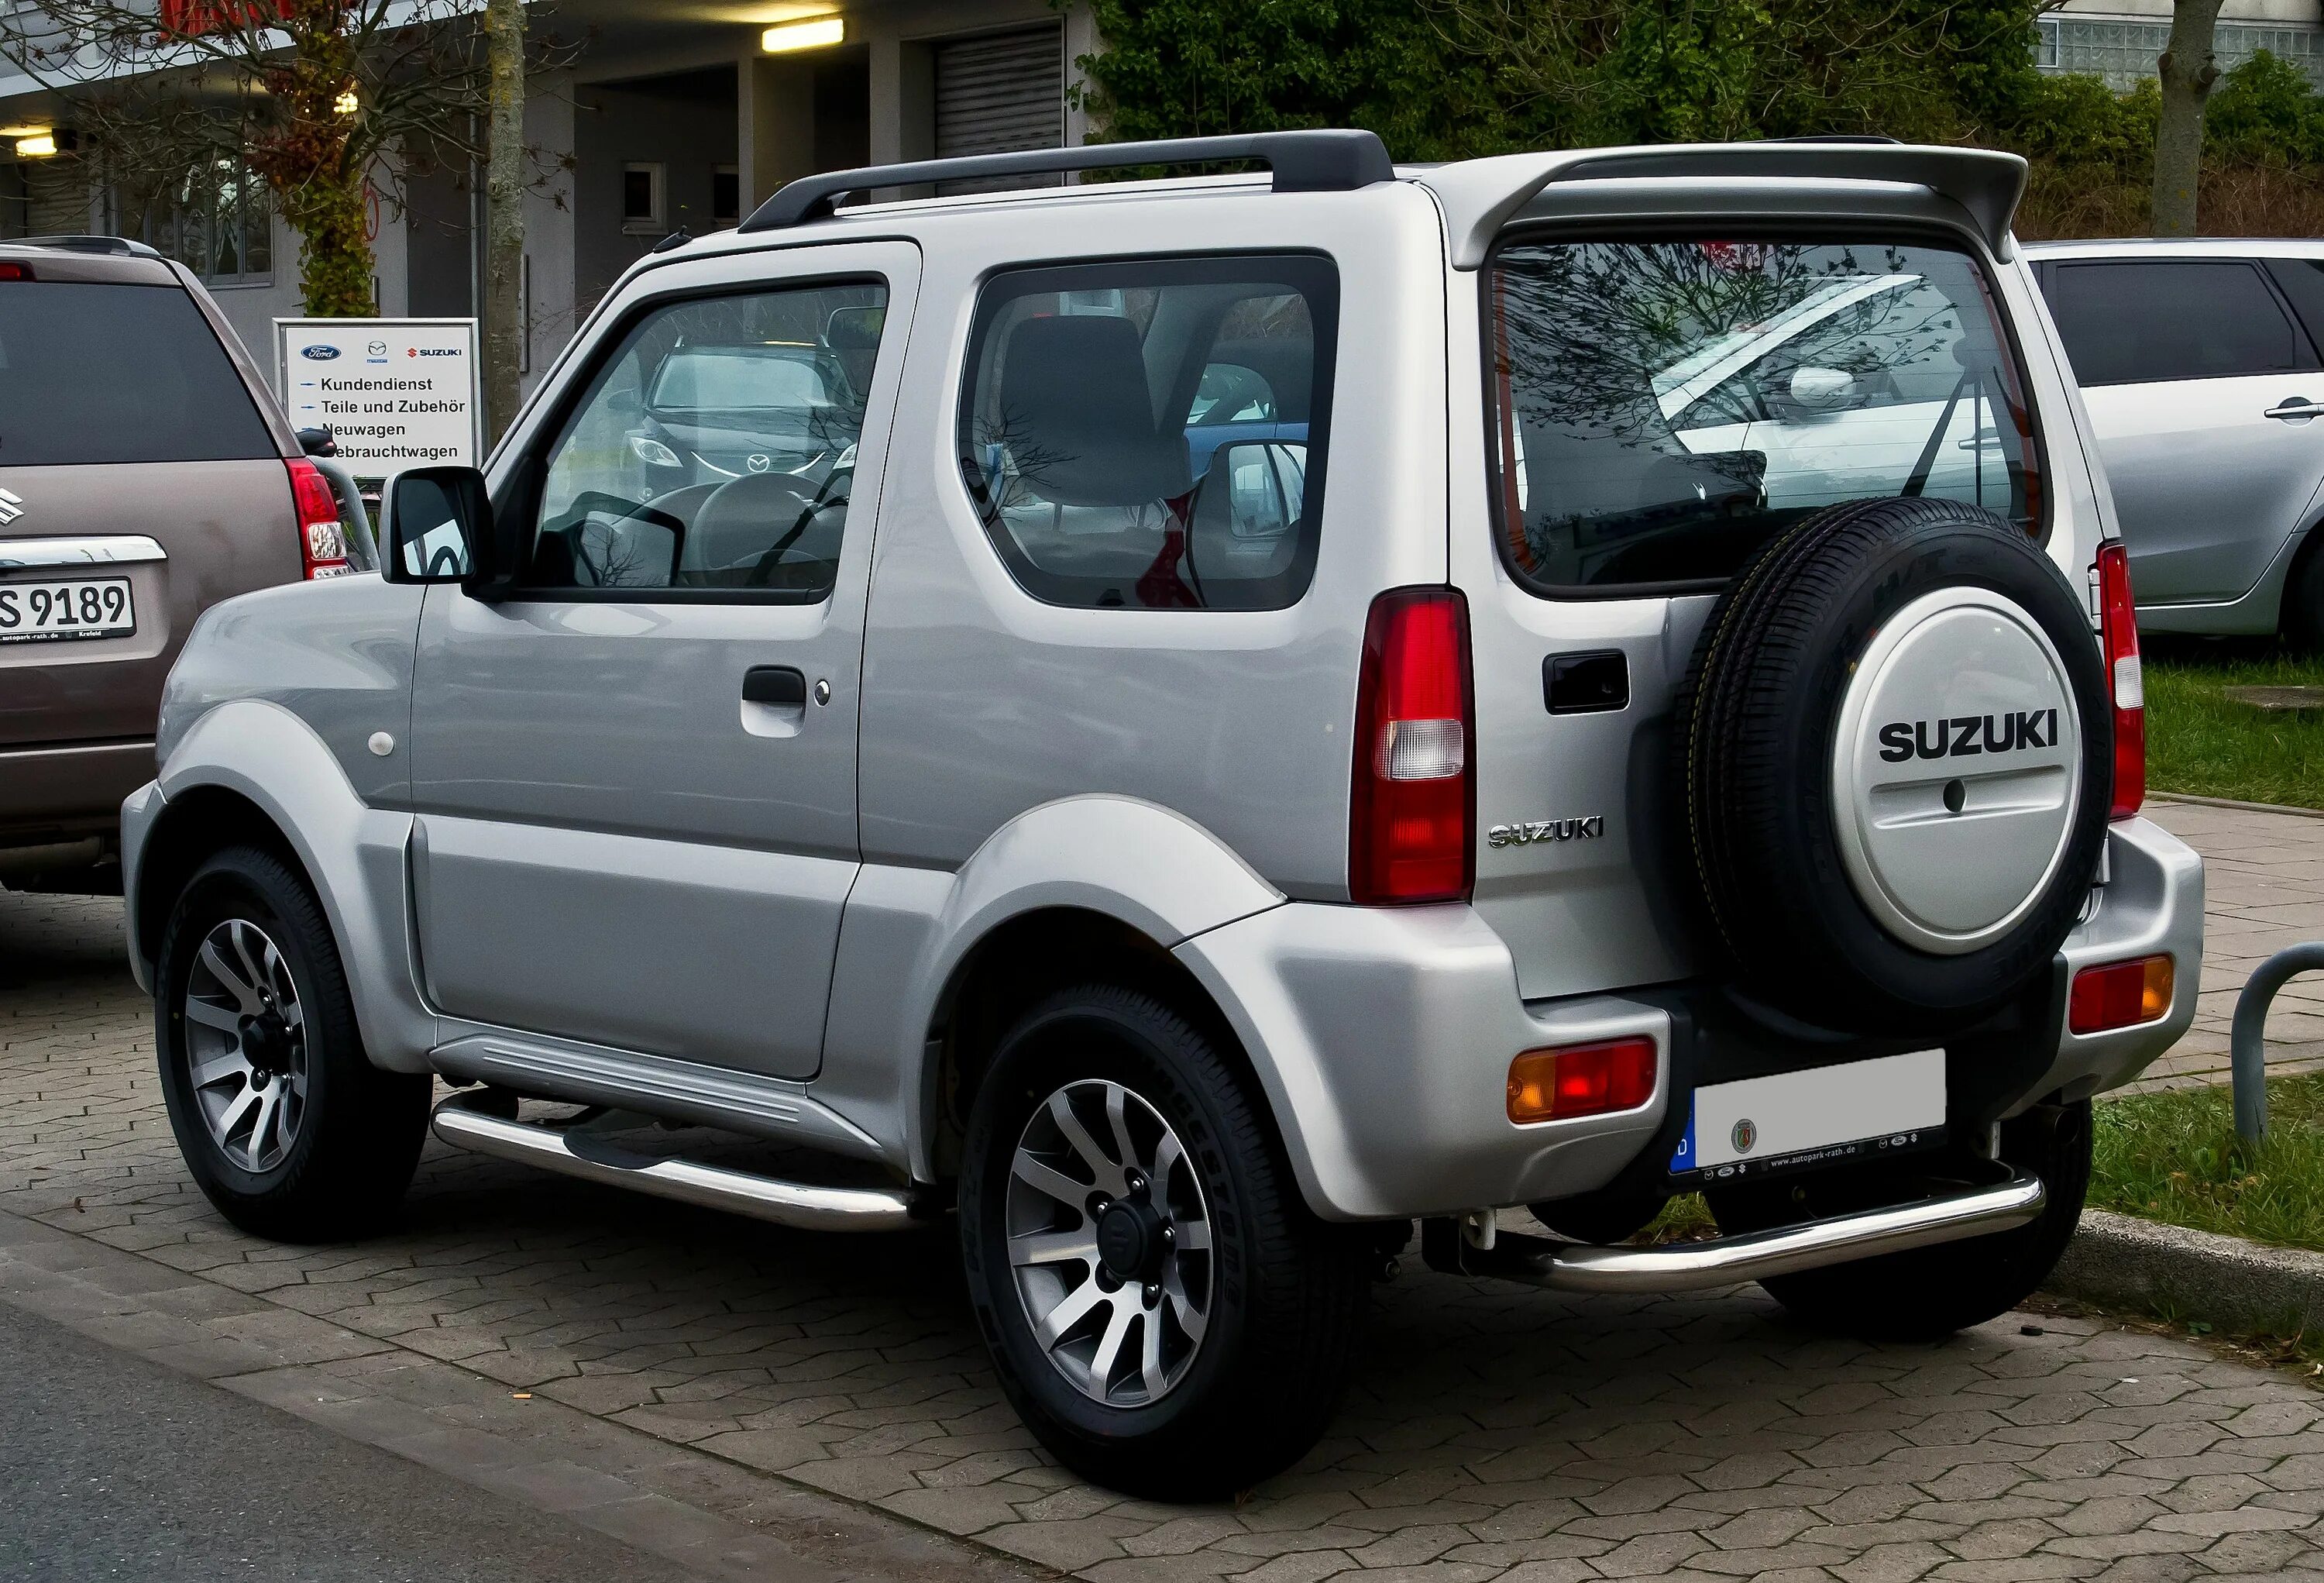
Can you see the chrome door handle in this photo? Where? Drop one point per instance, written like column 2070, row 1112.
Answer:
column 2297, row 409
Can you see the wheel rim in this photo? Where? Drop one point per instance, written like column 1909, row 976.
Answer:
column 1110, row 1247
column 246, row 1044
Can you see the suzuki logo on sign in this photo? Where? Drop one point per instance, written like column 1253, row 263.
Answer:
column 320, row 354
column 12, row 506
column 1967, row 734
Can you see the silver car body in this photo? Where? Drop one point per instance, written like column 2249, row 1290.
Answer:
column 557, row 854
column 2219, row 480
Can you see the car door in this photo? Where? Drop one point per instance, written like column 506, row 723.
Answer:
column 2204, row 391
column 635, row 774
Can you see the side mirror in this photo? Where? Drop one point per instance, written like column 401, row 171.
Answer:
column 1824, row 390
column 318, row 441
column 435, row 526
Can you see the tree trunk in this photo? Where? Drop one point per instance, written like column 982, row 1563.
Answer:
column 334, row 257
column 2188, row 71
column 504, row 327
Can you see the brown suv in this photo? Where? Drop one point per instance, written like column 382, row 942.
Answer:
column 146, row 473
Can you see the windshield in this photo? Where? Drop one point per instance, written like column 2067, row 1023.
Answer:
column 738, row 379
column 1662, row 408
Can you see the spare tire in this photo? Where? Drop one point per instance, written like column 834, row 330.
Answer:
column 1895, row 747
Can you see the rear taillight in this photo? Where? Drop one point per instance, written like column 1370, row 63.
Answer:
column 2118, row 630
column 1414, row 783
column 1581, row 1079
column 11, row 269
column 322, row 545
column 2120, row 994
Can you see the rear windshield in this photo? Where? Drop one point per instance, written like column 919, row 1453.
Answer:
column 101, row 372
column 1662, row 408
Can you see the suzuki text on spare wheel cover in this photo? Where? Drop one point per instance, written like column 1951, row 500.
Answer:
column 1171, row 735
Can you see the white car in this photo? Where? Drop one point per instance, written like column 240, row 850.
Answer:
column 2198, row 363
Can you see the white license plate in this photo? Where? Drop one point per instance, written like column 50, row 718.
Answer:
column 59, row 608
column 1814, row 1118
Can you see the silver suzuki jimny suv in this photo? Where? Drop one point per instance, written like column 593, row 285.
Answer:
column 1180, row 728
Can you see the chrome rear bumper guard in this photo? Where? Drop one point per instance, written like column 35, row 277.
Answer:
column 1728, row 1261
column 575, row 1153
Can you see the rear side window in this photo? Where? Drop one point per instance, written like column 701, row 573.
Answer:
column 94, row 373
column 2132, row 323
column 1660, row 409
column 1151, row 433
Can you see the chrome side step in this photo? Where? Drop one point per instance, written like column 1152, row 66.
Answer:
column 1728, row 1261
column 575, row 1152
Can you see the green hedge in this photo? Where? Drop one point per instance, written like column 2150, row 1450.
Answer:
column 1448, row 79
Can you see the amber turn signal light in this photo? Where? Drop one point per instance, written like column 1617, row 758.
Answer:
column 1581, row 1079
column 2120, row 994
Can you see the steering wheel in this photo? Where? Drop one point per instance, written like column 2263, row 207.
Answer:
column 742, row 510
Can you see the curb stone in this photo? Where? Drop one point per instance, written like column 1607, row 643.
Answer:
column 2121, row 1261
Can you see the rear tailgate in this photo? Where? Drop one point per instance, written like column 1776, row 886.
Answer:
column 131, row 448
column 1653, row 410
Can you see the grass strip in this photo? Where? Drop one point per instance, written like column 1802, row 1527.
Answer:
column 2199, row 743
column 2174, row 1157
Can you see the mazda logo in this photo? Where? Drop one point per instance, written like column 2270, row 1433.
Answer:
column 758, row 461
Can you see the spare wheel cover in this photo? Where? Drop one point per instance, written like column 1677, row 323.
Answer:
column 1957, row 770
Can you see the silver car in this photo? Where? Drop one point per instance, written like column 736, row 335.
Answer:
column 1168, row 731
column 2199, row 364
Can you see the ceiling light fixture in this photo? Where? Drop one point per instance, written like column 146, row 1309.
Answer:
column 816, row 33
column 36, row 148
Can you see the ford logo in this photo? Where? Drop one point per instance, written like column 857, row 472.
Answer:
column 320, row 354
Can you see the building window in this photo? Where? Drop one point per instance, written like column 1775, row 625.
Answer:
column 216, row 222
column 642, row 200
column 726, row 197
column 2122, row 52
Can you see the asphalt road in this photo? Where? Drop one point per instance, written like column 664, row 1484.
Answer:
column 113, row 1468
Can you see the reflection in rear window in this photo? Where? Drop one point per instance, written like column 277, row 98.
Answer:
column 1662, row 408
column 93, row 373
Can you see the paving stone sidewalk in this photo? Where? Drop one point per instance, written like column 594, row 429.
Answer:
column 2264, row 890
column 1492, row 1433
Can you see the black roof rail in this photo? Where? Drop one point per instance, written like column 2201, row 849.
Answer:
column 117, row 246
column 1321, row 161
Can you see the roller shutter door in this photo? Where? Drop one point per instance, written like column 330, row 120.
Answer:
column 997, row 93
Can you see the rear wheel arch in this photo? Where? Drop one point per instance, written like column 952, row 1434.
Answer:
column 1024, row 959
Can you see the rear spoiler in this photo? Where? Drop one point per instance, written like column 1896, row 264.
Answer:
column 1479, row 197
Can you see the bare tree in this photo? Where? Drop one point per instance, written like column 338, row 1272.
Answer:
column 2188, row 69
column 317, row 98
column 504, row 174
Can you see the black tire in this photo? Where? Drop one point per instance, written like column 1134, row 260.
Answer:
column 1287, row 1293
column 1927, row 1293
column 1759, row 716
column 2301, row 620
column 341, row 1165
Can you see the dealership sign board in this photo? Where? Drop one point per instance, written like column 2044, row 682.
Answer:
column 395, row 393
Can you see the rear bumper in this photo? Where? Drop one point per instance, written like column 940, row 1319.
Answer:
column 69, row 790
column 1384, row 1036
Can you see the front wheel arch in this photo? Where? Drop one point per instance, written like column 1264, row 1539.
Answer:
column 193, row 827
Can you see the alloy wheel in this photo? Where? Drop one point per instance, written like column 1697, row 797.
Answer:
column 246, row 1044
column 1110, row 1243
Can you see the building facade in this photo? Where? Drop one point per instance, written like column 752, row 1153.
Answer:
column 666, row 121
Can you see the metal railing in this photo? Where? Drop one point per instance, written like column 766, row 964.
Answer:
column 2247, row 1044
